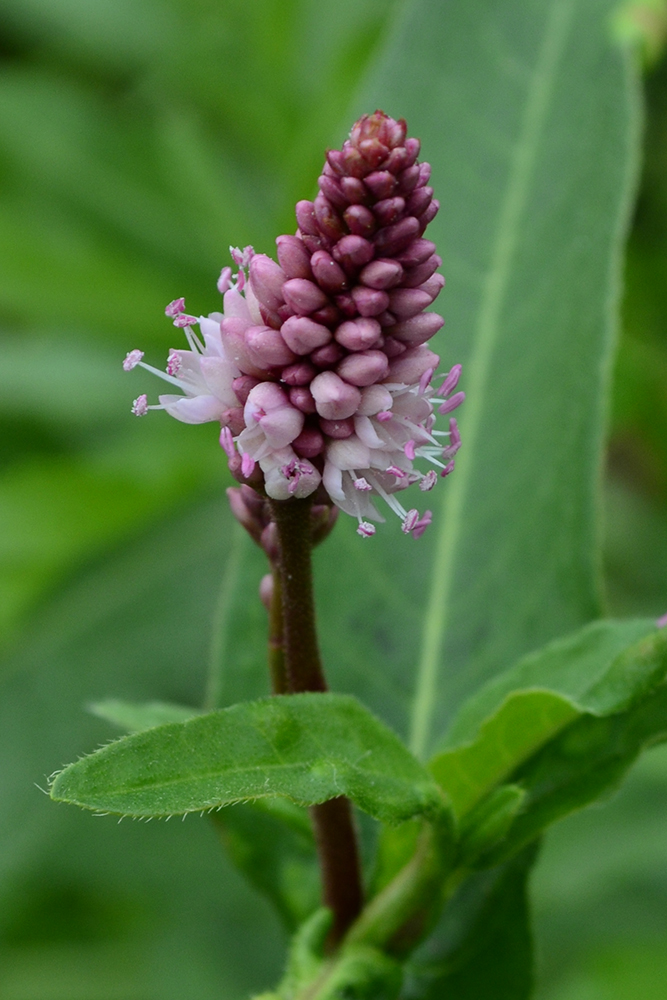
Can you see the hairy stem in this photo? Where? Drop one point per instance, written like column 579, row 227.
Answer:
column 277, row 667
column 334, row 830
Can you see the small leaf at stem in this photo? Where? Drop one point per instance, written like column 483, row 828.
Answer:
column 309, row 748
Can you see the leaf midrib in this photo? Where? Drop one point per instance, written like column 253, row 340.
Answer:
column 495, row 285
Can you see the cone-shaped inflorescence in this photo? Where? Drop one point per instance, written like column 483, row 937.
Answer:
column 318, row 369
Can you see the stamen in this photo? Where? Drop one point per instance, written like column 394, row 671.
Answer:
column 247, row 465
column 451, row 404
column 425, row 380
column 175, row 307
column 365, row 529
column 185, row 320
column 163, row 375
column 384, row 415
column 410, row 520
column 447, row 469
column 451, row 381
column 174, row 363
column 429, row 481
column 140, row 406
column 227, row 442
column 409, row 450
column 225, row 280
column 422, row 524
column 132, row 360
column 394, row 470
column 362, row 484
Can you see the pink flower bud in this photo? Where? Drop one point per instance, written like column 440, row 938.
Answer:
column 358, row 334
column 303, row 296
column 242, row 386
column 302, row 335
column 381, row 274
column 329, row 275
column 381, row 183
column 408, row 179
column 332, row 191
column 293, row 257
column 418, row 329
column 302, row 373
column 267, row 347
column 327, row 356
column 370, row 301
column 334, row 398
column 360, row 220
column 301, row 397
column 309, row 443
column 418, row 251
column 266, row 280
column 398, row 237
column 422, row 272
column 266, row 590
column 409, row 367
column 374, row 399
column 305, row 217
column 364, row 368
column 354, row 190
column 353, row 252
column 408, row 302
column 389, row 210
column 338, row 429
column 328, row 220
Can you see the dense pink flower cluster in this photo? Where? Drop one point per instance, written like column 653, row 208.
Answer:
column 317, row 369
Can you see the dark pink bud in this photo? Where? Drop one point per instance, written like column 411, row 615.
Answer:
column 327, row 356
column 364, row 367
column 408, row 179
column 370, row 301
column 433, row 286
column 354, row 190
column 373, row 152
column 407, row 302
column 302, row 335
column 392, row 348
column 411, row 365
column 353, row 252
column 233, row 332
column 360, row 220
column 424, row 173
column 381, row 183
column 301, row 397
column 419, row 200
column 235, row 419
column 315, row 243
column 338, row 428
column 302, row 373
column 381, row 274
column 328, row 316
column 303, row 296
column 248, row 515
column 386, row 318
column 359, row 334
column 269, row 542
column 329, row 275
column 328, row 220
column 332, row 190
column 266, row 280
column 353, row 162
column 346, row 305
column 293, row 256
column 430, row 214
column 305, row 218
column 335, row 161
column 309, row 443
column 334, row 398
column 412, row 147
column 397, row 160
column 398, row 237
column 418, row 329
column 266, row 590
column 242, row 387
column 418, row 251
column 267, row 347
column 389, row 210
column 422, row 272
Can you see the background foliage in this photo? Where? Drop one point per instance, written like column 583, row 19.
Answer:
column 137, row 141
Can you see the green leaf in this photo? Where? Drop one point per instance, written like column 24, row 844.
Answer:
column 535, row 184
column 309, row 748
column 482, row 946
column 136, row 717
column 514, row 716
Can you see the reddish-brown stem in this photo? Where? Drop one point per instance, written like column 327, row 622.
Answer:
column 334, row 829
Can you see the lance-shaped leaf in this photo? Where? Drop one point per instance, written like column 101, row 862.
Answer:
column 601, row 669
column 308, row 748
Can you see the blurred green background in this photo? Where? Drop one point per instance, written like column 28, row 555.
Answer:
column 138, row 139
